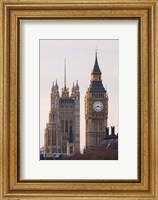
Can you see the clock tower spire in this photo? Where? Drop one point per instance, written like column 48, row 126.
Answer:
column 96, row 108
column 96, row 69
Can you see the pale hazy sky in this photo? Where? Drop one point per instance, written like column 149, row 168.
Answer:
column 80, row 57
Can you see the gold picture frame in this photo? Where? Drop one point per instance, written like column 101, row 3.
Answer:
column 145, row 11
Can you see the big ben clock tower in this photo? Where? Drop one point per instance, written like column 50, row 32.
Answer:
column 96, row 108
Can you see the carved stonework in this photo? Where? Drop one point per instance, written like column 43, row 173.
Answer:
column 96, row 109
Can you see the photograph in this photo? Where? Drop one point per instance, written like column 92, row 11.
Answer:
column 79, row 99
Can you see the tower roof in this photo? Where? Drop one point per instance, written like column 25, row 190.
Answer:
column 96, row 86
column 96, row 69
column 77, row 86
column 96, row 82
column 56, row 85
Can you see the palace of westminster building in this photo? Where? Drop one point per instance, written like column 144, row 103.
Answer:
column 62, row 132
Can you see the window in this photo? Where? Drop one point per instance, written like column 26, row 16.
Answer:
column 71, row 149
column 53, row 117
column 53, row 137
column 64, row 149
column 66, row 126
column 100, row 127
column 49, row 138
column 70, row 123
column 95, row 126
column 62, row 125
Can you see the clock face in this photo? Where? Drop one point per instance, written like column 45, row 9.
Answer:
column 98, row 106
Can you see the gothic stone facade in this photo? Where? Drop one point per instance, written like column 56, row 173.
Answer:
column 96, row 109
column 62, row 133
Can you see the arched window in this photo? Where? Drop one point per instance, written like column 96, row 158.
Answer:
column 95, row 126
column 70, row 123
column 53, row 117
column 71, row 149
column 62, row 125
column 49, row 138
column 100, row 127
column 66, row 126
column 53, row 137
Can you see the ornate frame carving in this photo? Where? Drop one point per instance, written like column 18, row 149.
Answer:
column 12, row 13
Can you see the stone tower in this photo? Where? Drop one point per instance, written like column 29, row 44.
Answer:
column 64, row 119
column 96, row 109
